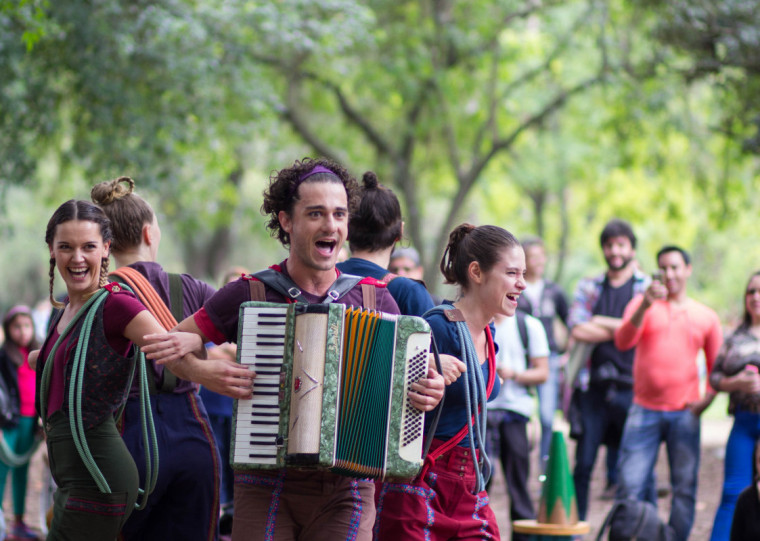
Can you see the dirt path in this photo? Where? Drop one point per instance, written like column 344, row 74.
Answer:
column 37, row 476
column 714, row 435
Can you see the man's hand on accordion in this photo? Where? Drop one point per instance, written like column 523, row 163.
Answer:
column 222, row 376
column 175, row 350
column 452, row 368
column 427, row 392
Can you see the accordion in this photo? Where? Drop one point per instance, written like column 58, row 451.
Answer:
column 331, row 390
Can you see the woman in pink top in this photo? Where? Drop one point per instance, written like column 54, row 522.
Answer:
column 18, row 381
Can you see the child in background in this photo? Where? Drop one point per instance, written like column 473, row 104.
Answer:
column 19, row 381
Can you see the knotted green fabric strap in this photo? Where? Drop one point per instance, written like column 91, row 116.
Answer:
column 76, row 391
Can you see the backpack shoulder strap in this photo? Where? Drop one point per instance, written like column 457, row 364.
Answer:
column 288, row 288
column 369, row 296
column 257, row 288
column 178, row 311
column 522, row 327
column 388, row 278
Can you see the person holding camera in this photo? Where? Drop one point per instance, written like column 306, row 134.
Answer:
column 667, row 328
column 736, row 372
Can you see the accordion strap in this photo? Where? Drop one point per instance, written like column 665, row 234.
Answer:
column 369, row 296
column 288, row 288
column 258, row 290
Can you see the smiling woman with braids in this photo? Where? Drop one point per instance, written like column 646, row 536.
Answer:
column 83, row 372
column 448, row 499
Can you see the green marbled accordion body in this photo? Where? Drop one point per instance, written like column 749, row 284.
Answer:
column 331, row 390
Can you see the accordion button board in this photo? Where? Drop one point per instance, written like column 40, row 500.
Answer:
column 331, row 390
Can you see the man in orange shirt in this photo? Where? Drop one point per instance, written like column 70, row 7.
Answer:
column 668, row 329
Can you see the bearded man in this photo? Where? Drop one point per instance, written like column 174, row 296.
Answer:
column 603, row 398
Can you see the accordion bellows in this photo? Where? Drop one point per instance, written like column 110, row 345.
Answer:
column 331, row 390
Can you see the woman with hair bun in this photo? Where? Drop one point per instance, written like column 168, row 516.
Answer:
column 448, row 499
column 373, row 230
column 185, row 504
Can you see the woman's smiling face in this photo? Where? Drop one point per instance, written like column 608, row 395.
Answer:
column 502, row 285
column 78, row 249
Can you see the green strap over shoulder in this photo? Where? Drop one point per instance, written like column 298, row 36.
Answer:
column 76, row 392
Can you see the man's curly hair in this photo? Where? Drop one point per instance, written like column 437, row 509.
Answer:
column 282, row 193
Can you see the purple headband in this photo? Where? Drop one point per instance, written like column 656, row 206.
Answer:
column 317, row 169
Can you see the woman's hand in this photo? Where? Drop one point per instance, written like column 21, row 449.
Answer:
column 746, row 381
column 219, row 375
column 451, row 366
column 427, row 392
column 167, row 347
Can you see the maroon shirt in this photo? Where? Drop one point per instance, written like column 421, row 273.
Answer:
column 118, row 311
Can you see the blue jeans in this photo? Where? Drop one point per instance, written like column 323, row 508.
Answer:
column 644, row 430
column 603, row 412
column 548, row 395
column 737, row 469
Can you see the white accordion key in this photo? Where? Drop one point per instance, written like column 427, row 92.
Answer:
column 262, row 347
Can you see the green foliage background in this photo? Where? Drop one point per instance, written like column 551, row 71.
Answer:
column 544, row 117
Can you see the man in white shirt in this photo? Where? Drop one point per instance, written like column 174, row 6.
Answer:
column 522, row 363
column 546, row 301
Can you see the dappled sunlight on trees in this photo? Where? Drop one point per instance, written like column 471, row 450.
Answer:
column 545, row 117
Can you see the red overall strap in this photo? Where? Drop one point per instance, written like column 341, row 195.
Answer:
column 459, row 436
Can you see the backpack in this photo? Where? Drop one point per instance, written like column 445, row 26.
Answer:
column 631, row 520
column 522, row 327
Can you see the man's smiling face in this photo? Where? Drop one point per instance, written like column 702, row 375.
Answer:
column 317, row 225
